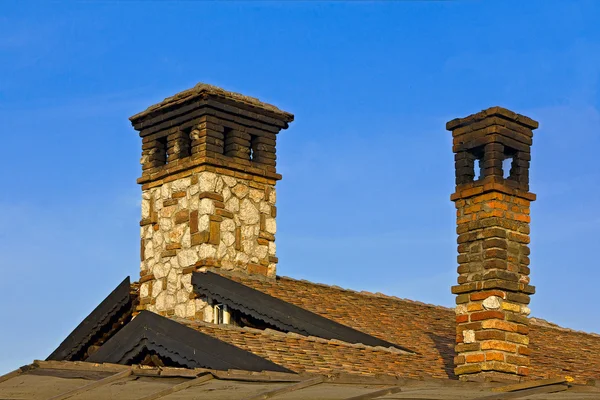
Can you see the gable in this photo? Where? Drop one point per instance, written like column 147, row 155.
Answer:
column 151, row 334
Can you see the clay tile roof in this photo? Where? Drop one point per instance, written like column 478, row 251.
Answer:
column 203, row 89
column 430, row 329
column 307, row 354
column 281, row 314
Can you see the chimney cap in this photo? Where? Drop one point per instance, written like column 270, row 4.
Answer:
column 492, row 112
column 203, row 89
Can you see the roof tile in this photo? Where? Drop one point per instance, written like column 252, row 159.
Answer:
column 427, row 329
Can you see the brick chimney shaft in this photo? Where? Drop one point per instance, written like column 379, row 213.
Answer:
column 493, row 290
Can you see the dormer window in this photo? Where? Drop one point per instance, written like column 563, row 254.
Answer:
column 221, row 314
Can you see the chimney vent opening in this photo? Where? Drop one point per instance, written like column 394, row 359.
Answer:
column 253, row 147
column 507, row 166
column 161, row 148
column 478, row 169
column 227, row 140
column 185, row 149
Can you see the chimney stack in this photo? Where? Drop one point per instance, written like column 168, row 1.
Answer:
column 492, row 198
column 208, row 193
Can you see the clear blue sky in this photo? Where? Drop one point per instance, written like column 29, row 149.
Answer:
column 367, row 165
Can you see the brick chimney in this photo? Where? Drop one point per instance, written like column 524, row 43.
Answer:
column 208, row 192
column 492, row 198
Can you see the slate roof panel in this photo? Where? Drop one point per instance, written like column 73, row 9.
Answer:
column 186, row 347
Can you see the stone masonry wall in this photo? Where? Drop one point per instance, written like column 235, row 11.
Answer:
column 221, row 219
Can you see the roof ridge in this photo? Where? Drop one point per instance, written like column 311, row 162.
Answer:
column 369, row 294
column 273, row 332
column 535, row 320
column 547, row 324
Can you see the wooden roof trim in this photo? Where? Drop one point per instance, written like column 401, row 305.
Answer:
column 92, row 386
column 519, row 394
column 200, row 380
column 16, row 372
column 376, row 394
column 231, row 374
column 288, row 389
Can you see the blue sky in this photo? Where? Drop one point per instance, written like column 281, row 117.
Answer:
column 367, row 165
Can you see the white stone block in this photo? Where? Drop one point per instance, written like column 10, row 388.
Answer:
column 248, row 212
column 181, row 184
column 185, row 258
column 227, row 225
column 492, row 303
column 469, row 336
column 206, row 206
column 240, row 190
column 207, row 181
column 229, row 181
column 256, row 195
column 233, row 205
column 157, row 289
column 180, row 310
column 145, row 289
column 206, row 251
column 270, row 225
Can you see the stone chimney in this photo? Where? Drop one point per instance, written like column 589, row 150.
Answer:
column 208, row 192
column 492, row 198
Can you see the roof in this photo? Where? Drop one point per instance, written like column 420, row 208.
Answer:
column 281, row 314
column 80, row 380
column 309, row 354
column 430, row 329
column 202, row 89
column 427, row 330
column 151, row 334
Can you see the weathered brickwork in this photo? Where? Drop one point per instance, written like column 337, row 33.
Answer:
column 208, row 193
column 493, row 215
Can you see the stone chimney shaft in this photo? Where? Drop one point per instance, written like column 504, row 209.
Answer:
column 208, row 193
